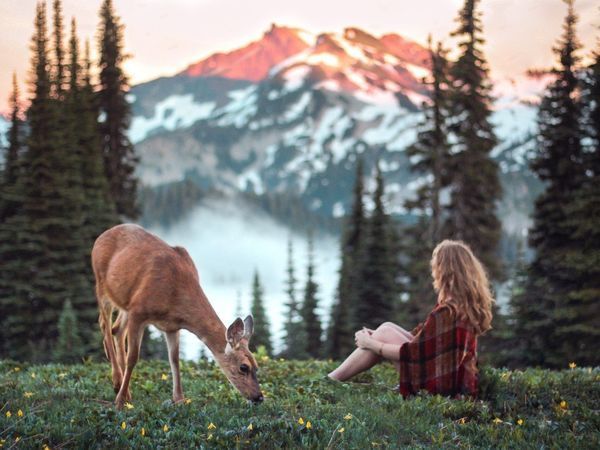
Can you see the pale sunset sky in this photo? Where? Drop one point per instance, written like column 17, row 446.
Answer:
column 164, row 36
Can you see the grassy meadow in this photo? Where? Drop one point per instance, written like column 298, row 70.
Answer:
column 58, row 406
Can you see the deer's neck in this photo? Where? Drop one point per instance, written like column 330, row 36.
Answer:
column 206, row 325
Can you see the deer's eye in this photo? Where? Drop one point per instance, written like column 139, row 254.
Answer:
column 244, row 368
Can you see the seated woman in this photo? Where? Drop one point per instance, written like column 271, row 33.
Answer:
column 439, row 355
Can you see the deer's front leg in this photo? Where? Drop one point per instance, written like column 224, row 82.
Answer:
column 173, row 346
column 135, row 332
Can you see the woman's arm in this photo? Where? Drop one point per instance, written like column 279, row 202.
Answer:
column 383, row 349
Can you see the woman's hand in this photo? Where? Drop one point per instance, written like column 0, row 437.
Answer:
column 363, row 339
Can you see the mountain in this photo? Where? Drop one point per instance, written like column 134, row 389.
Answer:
column 290, row 113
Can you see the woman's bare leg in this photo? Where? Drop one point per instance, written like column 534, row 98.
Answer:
column 399, row 328
column 361, row 359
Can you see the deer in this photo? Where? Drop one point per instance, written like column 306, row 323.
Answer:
column 146, row 281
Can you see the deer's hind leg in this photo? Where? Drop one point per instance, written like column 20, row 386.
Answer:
column 105, row 309
column 135, row 333
column 119, row 331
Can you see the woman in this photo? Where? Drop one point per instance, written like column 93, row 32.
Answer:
column 439, row 355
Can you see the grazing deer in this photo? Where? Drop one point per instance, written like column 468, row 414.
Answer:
column 149, row 282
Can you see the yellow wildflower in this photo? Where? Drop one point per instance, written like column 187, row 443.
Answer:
column 164, row 377
column 308, row 425
column 211, row 426
column 572, row 365
column 62, row 375
column 8, row 414
column 210, row 436
column 128, row 405
column 27, row 394
column 143, row 431
column 563, row 405
column 301, row 421
column 16, row 369
column 165, row 428
column 188, row 401
column 520, row 422
column 45, row 447
column 462, row 420
column 497, row 420
column 32, row 374
column 250, row 427
column 123, row 425
column 341, row 430
column 348, row 416
column 20, row 413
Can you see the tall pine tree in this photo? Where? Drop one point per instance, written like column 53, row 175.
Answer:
column 310, row 318
column 379, row 290
column 430, row 155
column 294, row 339
column 342, row 324
column 262, row 333
column 557, row 324
column 475, row 185
column 115, row 113
column 10, row 199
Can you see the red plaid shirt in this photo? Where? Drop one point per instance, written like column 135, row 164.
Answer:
column 442, row 357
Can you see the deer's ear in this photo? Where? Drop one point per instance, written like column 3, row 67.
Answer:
column 248, row 327
column 235, row 332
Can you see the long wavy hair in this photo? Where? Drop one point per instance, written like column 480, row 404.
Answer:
column 462, row 284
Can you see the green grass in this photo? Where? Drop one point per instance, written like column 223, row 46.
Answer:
column 71, row 407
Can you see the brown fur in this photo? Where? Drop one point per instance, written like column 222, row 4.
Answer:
column 146, row 282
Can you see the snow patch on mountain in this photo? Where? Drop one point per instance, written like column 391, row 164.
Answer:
column 176, row 111
column 4, row 127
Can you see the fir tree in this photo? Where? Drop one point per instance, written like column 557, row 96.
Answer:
column 342, row 323
column 9, row 205
column 119, row 155
column 431, row 154
column 475, row 185
column 21, row 244
column 59, row 73
column 262, row 333
column 294, row 339
column 69, row 348
column 557, row 323
column 97, row 209
column 379, row 291
column 310, row 319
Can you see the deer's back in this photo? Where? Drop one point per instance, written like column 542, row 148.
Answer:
column 131, row 263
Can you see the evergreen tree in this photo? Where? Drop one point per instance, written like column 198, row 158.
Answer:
column 58, row 74
column 21, row 244
column 312, row 322
column 11, row 166
column 119, row 155
column 294, row 339
column 556, row 324
column 97, row 209
column 431, row 154
column 379, row 291
column 10, row 199
column 475, row 185
column 69, row 348
column 342, row 323
column 262, row 333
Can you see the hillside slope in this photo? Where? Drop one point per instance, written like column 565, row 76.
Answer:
column 70, row 407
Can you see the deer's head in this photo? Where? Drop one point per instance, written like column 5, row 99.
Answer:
column 238, row 362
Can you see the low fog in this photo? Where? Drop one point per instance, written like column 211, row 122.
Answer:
column 228, row 240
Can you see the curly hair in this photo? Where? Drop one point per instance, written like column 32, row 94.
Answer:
column 462, row 284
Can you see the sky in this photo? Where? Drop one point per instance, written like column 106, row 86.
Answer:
column 164, row 36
